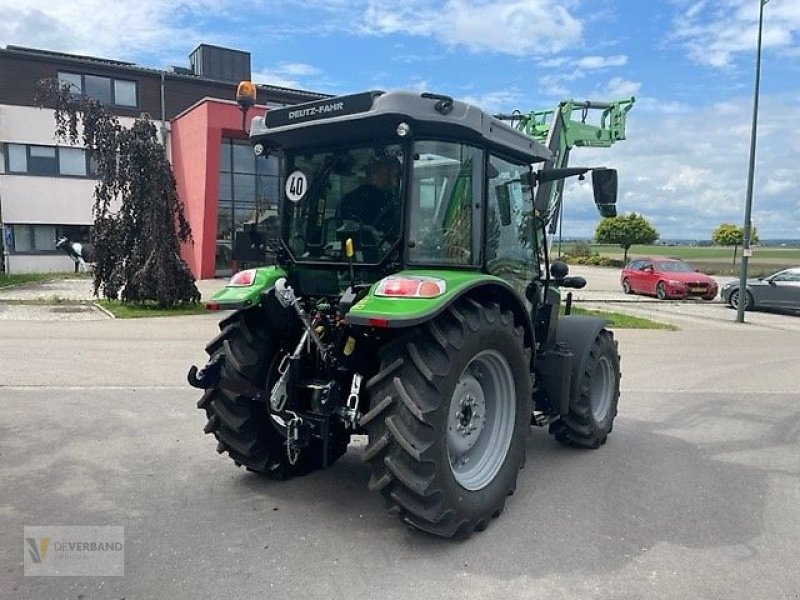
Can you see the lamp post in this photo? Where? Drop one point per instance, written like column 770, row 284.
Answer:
column 748, row 206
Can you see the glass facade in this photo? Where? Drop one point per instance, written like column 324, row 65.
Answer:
column 247, row 208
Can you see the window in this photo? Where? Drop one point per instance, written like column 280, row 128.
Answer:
column 42, row 238
column 72, row 161
column 34, row 238
column 509, row 235
column 108, row 90
column 48, row 160
column 98, row 88
column 73, row 81
column 352, row 192
column 447, row 177
column 247, row 199
column 42, row 160
column 17, row 156
column 788, row 276
column 124, row 93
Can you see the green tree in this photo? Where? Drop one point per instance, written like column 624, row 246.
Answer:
column 625, row 230
column 728, row 234
column 138, row 217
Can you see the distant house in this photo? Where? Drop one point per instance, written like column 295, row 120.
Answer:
column 46, row 187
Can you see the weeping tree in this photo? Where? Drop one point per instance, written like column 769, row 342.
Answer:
column 138, row 218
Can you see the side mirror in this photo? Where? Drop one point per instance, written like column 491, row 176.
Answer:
column 559, row 270
column 604, row 185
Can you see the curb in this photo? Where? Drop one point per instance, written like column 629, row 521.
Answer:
column 107, row 312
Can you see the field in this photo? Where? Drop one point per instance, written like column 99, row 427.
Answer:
column 715, row 260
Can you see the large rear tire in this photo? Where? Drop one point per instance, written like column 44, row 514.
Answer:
column 593, row 408
column 448, row 420
column 247, row 347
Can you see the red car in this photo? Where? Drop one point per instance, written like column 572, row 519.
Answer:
column 666, row 278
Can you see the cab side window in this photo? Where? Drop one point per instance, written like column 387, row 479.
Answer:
column 509, row 224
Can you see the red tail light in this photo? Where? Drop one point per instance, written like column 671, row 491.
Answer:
column 410, row 286
column 243, row 278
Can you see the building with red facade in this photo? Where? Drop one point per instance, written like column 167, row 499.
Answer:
column 46, row 186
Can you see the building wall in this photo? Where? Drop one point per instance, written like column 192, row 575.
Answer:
column 39, row 263
column 196, row 137
column 56, row 200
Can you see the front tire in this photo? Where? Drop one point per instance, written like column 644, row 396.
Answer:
column 661, row 291
column 626, row 286
column 449, row 418
column 734, row 300
column 593, row 409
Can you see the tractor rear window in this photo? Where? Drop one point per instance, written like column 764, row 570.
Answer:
column 348, row 193
column 446, row 179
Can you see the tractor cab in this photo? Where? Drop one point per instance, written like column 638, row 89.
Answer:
column 412, row 180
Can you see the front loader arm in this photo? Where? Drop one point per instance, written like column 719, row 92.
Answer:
column 560, row 131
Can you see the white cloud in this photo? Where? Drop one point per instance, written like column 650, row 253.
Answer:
column 290, row 75
column 713, row 33
column 109, row 29
column 499, row 26
column 602, row 62
column 687, row 172
column 496, row 101
column 619, row 87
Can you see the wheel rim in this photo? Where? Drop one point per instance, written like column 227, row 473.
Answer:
column 602, row 389
column 735, row 300
column 480, row 422
column 661, row 292
column 626, row 286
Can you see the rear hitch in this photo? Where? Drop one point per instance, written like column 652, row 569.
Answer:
column 210, row 377
column 207, row 377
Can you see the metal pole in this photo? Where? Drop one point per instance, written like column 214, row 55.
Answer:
column 560, row 226
column 748, row 207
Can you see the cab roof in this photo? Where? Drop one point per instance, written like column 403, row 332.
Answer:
column 375, row 115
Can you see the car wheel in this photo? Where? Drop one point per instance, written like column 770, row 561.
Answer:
column 734, row 300
column 661, row 291
column 626, row 286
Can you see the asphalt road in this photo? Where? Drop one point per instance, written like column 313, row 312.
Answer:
column 696, row 494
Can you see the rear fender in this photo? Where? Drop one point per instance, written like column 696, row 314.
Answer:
column 235, row 297
column 395, row 313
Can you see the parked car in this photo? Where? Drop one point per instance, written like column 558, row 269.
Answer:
column 666, row 278
column 780, row 290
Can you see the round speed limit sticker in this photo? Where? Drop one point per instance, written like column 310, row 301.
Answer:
column 296, row 186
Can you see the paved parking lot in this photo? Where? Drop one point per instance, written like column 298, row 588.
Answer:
column 696, row 493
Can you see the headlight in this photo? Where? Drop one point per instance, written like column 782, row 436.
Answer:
column 676, row 283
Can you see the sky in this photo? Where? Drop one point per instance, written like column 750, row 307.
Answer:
column 689, row 63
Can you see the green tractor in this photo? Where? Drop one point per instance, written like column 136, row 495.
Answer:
column 412, row 300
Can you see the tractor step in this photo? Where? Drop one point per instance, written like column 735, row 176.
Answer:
column 542, row 419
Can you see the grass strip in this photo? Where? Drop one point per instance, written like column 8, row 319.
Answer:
column 138, row 311
column 622, row 321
